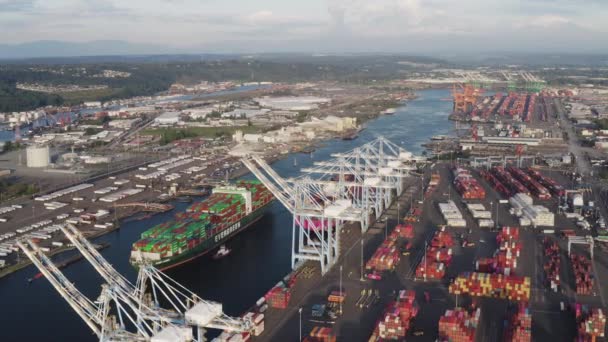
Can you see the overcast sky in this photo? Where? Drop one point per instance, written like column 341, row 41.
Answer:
column 409, row 26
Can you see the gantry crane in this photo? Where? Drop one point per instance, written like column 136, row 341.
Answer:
column 185, row 305
column 350, row 188
column 112, row 299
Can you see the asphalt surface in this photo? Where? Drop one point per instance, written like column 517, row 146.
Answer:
column 356, row 324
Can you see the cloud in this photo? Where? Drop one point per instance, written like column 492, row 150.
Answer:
column 343, row 25
column 15, row 5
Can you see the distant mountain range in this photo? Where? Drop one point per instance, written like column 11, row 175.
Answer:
column 52, row 48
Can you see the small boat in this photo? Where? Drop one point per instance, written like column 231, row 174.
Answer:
column 439, row 137
column 222, row 252
column 390, row 111
column 184, row 199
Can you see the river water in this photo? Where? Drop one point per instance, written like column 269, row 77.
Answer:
column 260, row 255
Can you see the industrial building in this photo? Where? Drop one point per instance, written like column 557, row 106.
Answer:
column 168, row 118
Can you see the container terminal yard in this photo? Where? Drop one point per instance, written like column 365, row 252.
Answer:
column 458, row 251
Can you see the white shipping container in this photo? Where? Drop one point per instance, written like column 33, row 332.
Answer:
column 485, row 223
column 459, row 223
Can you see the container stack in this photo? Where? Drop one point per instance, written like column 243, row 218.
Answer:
column 582, row 274
column 433, row 184
column 492, row 285
column 278, row 297
column 591, row 323
column 529, row 214
column 519, row 325
column 555, row 189
column 536, row 189
column 321, row 334
column 387, row 256
column 442, row 239
column 479, row 212
column 458, row 325
column 396, row 320
column 467, row 185
column 405, row 231
column 552, row 265
column 496, row 184
column 512, row 184
column 505, row 258
column 452, row 215
column 413, row 215
column 438, row 257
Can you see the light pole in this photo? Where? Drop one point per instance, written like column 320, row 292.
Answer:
column 398, row 216
column 496, row 223
column 300, row 311
column 341, row 291
column 425, row 246
column 362, row 279
column 422, row 188
column 385, row 227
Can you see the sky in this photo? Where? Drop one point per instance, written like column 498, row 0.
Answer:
column 409, row 26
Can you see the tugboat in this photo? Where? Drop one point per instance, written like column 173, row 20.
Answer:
column 221, row 252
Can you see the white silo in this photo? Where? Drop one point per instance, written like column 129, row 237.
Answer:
column 38, row 156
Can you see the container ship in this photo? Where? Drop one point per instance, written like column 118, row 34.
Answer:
column 203, row 226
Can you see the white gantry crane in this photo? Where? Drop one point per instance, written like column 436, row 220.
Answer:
column 112, row 300
column 349, row 188
column 186, row 307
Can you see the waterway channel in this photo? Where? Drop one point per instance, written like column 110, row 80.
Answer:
column 260, row 255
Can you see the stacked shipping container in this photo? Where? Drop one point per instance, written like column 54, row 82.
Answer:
column 591, row 323
column 505, row 178
column 552, row 264
column 278, row 297
column 519, row 325
column 583, row 275
column 452, row 214
column 387, row 256
column 534, row 186
column 438, row 256
column 492, row 285
column 505, row 258
column 433, row 184
column 321, row 334
column 396, row 320
column 555, row 189
column 467, row 185
column 479, row 212
column 458, row 325
column 497, row 184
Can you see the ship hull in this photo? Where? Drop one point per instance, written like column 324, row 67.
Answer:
column 211, row 243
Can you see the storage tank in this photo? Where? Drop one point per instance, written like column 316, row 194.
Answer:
column 577, row 200
column 38, row 156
